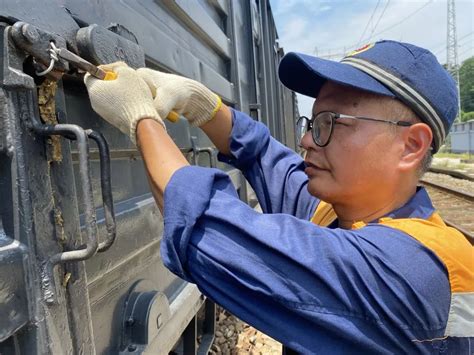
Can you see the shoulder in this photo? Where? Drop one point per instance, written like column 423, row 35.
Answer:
column 411, row 279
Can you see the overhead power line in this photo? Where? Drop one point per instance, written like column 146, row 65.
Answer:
column 467, row 50
column 380, row 17
column 441, row 47
column 353, row 46
column 466, row 35
column 404, row 19
column 368, row 22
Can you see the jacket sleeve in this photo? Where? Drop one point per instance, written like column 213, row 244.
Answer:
column 275, row 172
column 305, row 285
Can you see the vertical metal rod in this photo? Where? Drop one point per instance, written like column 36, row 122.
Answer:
column 71, row 131
column 189, row 338
column 106, row 187
column 209, row 328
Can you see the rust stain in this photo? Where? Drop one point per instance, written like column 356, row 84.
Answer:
column 58, row 219
column 66, row 278
column 47, row 108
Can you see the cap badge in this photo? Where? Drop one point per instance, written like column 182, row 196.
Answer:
column 361, row 49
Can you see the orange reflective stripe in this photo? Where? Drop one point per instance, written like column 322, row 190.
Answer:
column 324, row 214
column 453, row 249
column 447, row 243
column 358, row 225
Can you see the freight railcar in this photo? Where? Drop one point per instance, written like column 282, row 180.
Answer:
column 80, row 268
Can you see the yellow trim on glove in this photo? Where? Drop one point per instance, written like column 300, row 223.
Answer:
column 217, row 108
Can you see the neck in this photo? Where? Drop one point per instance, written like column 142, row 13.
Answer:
column 367, row 210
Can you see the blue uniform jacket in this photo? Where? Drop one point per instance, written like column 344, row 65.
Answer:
column 315, row 289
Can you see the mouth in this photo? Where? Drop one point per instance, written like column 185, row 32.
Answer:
column 312, row 168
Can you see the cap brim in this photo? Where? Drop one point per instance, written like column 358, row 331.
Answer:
column 306, row 75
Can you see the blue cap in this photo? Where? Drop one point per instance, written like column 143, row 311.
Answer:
column 394, row 69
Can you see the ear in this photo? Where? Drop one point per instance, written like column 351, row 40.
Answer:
column 417, row 139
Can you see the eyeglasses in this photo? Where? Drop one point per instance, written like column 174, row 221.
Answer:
column 322, row 125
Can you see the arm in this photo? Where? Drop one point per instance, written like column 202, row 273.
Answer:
column 322, row 284
column 219, row 129
column 274, row 171
column 161, row 156
column 309, row 287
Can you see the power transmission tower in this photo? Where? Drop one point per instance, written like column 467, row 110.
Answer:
column 452, row 50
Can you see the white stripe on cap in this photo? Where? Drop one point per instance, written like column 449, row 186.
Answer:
column 399, row 87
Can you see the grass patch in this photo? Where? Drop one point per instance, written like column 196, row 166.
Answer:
column 463, row 156
column 444, row 164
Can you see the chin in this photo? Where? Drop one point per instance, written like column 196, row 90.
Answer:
column 320, row 190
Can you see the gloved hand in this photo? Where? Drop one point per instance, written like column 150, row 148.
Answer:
column 184, row 96
column 122, row 102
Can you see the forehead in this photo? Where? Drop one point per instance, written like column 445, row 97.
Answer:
column 348, row 100
column 340, row 96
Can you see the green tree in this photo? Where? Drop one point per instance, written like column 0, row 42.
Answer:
column 467, row 116
column 466, row 87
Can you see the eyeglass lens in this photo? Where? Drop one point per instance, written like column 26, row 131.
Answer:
column 322, row 127
column 302, row 126
column 320, row 131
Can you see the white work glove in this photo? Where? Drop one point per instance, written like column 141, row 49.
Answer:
column 124, row 101
column 184, row 96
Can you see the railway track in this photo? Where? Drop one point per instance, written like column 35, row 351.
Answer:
column 455, row 207
column 453, row 173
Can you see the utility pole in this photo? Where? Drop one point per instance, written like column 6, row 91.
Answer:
column 452, row 50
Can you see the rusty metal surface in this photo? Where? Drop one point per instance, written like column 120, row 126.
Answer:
column 47, row 109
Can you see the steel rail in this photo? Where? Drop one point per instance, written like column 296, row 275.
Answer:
column 466, row 195
column 453, row 173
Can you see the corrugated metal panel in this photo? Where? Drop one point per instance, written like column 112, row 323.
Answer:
column 231, row 47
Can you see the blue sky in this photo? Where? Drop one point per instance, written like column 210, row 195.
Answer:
column 331, row 28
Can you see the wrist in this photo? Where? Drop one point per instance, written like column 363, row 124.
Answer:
column 219, row 129
column 156, row 119
column 205, row 109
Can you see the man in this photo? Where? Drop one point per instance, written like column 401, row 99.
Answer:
column 385, row 275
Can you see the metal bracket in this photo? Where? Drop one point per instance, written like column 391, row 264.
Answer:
column 197, row 150
column 146, row 311
column 37, row 43
column 100, row 45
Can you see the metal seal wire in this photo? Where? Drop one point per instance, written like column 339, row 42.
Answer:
column 54, row 58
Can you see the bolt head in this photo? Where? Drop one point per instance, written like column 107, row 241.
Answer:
column 132, row 347
column 30, row 33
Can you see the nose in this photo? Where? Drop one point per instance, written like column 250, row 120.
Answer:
column 307, row 141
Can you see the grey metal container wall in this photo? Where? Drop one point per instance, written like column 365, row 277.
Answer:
column 231, row 47
column 462, row 137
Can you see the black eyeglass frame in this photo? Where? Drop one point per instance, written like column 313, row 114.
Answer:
column 335, row 116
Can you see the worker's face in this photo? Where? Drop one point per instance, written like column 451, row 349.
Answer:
column 362, row 156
